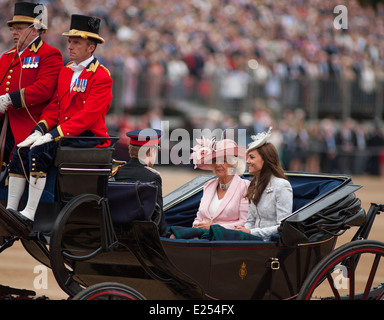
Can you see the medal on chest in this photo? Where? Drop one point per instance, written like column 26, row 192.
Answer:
column 31, row 62
column 80, row 85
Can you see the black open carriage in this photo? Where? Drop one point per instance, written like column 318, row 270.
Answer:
column 99, row 239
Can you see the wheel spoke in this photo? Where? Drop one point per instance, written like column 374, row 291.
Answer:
column 352, row 278
column 332, row 285
column 381, row 296
column 371, row 276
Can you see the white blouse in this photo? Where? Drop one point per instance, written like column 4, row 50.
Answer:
column 215, row 203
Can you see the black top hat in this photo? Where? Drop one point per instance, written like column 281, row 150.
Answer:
column 26, row 12
column 84, row 27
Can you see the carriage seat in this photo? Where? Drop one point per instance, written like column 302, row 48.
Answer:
column 305, row 191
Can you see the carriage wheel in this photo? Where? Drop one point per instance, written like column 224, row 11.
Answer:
column 353, row 271
column 109, row 291
column 76, row 221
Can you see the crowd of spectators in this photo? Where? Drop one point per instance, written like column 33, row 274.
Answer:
column 326, row 145
column 266, row 40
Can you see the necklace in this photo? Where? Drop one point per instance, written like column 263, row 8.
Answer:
column 224, row 186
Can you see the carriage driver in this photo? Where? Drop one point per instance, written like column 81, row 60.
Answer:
column 83, row 97
column 143, row 149
column 28, row 76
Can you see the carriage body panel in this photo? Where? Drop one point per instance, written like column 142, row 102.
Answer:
column 247, row 270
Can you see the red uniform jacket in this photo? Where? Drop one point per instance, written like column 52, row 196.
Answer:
column 84, row 107
column 30, row 81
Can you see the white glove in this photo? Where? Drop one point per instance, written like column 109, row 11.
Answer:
column 30, row 140
column 5, row 101
column 44, row 139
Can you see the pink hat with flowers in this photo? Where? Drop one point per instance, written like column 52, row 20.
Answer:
column 206, row 150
